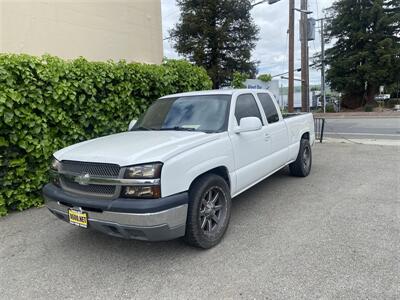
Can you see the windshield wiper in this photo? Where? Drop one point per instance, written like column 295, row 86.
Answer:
column 141, row 128
column 178, row 128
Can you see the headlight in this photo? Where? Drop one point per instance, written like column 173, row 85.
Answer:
column 54, row 168
column 150, row 174
column 144, row 171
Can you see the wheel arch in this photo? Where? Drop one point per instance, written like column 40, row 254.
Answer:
column 305, row 135
column 221, row 171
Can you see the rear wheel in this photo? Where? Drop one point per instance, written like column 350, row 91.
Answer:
column 209, row 211
column 301, row 167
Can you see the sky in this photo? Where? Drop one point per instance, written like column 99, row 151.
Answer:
column 272, row 47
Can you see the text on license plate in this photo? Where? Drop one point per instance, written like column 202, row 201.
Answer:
column 78, row 218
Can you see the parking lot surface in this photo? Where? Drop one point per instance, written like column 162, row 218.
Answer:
column 332, row 235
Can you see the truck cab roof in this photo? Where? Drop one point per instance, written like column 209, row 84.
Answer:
column 215, row 92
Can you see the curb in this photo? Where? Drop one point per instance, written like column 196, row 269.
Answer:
column 392, row 115
column 378, row 142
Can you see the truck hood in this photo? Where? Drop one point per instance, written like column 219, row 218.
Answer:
column 135, row 147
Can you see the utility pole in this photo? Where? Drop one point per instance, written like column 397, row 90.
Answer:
column 323, row 84
column 323, row 93
column 305, row 106
column 291, row 57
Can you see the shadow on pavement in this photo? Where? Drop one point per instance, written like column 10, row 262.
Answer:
column 87, row 241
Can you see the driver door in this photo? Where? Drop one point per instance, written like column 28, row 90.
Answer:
column 250, row 148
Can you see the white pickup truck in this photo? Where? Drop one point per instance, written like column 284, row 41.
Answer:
column 176, row 169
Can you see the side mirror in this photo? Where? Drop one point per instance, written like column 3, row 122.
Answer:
column 131, row 124
column 249, row 124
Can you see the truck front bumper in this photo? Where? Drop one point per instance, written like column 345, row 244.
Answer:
column 143, row 219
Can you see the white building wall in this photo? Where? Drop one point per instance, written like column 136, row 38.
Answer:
column 97, row 30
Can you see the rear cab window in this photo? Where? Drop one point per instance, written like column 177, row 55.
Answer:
column 269, row 107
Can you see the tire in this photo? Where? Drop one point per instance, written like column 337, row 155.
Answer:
column 301, row 167
column 209, row 211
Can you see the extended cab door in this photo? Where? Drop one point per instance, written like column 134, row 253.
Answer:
column 250, row 148
column 276, row 133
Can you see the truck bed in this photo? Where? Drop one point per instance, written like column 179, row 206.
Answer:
column 297, row 123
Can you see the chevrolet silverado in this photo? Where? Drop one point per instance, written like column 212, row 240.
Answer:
column 174, row 172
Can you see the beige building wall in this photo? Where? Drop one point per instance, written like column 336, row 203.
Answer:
column 97, row 30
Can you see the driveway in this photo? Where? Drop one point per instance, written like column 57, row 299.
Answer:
column 332, row 235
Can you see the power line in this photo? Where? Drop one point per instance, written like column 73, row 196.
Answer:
column 295, row 70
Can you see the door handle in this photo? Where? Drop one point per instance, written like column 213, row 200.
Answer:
column 267, row 137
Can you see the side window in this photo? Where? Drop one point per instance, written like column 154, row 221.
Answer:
column 269, row 107
column 246, row 106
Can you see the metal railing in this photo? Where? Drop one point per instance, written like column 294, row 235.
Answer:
column 319, row 125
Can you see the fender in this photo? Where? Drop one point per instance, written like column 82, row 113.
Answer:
column 180, row 171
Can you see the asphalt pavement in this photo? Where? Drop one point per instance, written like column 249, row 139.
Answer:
column 363, row 127
column 332, row 235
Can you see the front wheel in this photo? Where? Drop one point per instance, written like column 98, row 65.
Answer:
column 301, row 167
column 209, row 211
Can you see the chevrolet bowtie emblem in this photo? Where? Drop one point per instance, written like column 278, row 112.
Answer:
column 83, row 179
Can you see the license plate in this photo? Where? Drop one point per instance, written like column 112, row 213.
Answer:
column 78, row 218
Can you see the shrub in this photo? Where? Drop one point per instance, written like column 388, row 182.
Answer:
column 330, row 108
column 239, row 79
column 265, row 77
column 368, row 108
column 47, row 103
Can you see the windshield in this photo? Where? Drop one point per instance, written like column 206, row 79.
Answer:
column 207, row 113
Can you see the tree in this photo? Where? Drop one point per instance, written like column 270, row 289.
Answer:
column 366, row 51
column 265, row 77
column 239, row 79
column 218, row 35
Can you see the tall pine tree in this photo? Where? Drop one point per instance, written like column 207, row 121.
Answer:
column 366, row 51
column 218, row 35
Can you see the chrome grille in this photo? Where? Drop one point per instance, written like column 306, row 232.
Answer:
column 93, row 169
column 93, row 189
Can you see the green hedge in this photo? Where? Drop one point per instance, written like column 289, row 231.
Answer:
column 47, row 103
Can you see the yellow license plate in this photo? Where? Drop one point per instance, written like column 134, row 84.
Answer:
column 78, row 218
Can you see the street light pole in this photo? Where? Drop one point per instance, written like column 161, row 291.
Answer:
column 291, row 57
column 323, row 93
column 305, row 106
